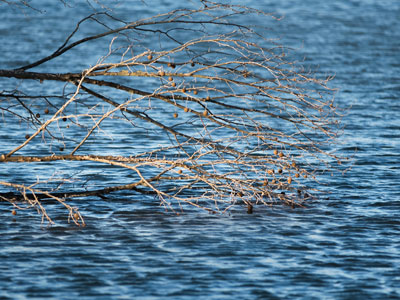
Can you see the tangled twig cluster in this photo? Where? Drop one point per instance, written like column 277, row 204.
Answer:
column 218, row 114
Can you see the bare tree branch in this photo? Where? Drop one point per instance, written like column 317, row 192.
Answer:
column 214, row 112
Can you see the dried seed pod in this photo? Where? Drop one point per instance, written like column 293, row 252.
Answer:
column 297, row 175
column 186, row 109
column 38, row 115
column 281, row 154
column 192, row 64
column 205, row 113
column 289, row 180
column 46, row 111
column 175, row 115
column 27, row 136
column 170, row 78
column 195, row 92
column 275, row 152
column 149, row 57
column 14, row 212
column 161, row 73
column 171, row 65
column 208, row 98
column 173, row 84
column 76, row 216
column 249, row 208
column 183, row 90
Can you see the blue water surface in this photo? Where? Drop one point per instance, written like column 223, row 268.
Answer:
column 343, row 246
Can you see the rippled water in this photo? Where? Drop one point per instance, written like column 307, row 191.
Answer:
column 344, row 247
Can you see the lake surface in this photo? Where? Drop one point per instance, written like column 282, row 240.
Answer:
column 344, row 247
